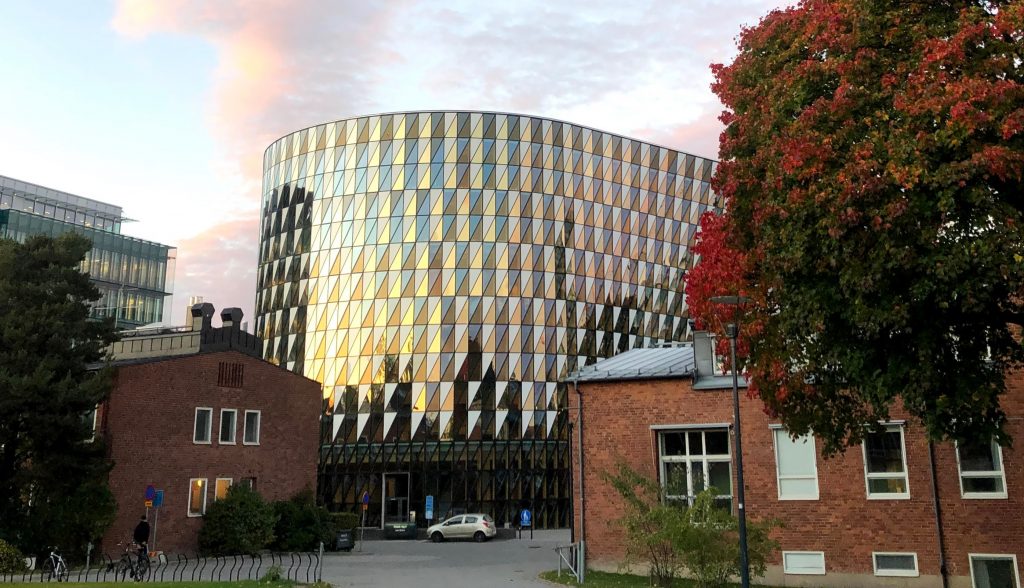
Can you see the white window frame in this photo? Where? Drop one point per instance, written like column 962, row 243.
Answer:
column 1016, row 570
column 785, row 570
column 216, row 483
column 889, row 427
column 776, row 430
column 234, row 428
column 206, row 490
column 702, row 459
column 983, row 495
column 245, row 427
column 895, row 573
column 209, row 426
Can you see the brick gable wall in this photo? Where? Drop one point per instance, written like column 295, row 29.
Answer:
column 148, row 424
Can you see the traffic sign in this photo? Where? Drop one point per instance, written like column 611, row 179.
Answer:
column 430, row 507
column 158, row 498
column 366, row 498
column 525, row 518
column 150, row 492
column 149, row 503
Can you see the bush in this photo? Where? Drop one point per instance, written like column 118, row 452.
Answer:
column 671, row 536
column 301, row 524
column 242, row 523
column 11, row 559
column 344, row 520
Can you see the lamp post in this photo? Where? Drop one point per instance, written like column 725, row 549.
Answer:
column 732, row 330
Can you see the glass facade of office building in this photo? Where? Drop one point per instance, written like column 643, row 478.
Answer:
column 133, row 276
column 441, row 273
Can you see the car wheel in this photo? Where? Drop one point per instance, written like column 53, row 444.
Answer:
column 437, row 537
column 479, row 537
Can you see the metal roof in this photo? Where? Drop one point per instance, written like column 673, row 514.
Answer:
column 655, row 362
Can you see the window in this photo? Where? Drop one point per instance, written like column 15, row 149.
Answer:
column 895, row 564
column 228, row 419
column 251, row 436
column 204, row 425
column 885, row 463
column 249, row 483
column 229, row 375
column 197, row 497
column 796, row 466
column 220, row 491
column 694, row 460
column 981, row 471
column 994, row 571
column 803, row 562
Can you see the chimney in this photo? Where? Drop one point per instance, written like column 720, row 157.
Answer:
column 202, row 316
column 230, row 318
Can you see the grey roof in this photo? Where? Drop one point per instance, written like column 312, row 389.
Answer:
column 655, row 362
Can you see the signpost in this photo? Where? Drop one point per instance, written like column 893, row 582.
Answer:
column 366, row 504
column 158, row 501
column 525, row 520
column 430, row 508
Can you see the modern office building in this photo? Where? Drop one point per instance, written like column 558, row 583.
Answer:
column 440, row 272
column 133, row 276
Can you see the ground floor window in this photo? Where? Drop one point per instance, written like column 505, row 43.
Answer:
column 221, row 491
column 693, row 460
column 994, row 571
column 197, row 497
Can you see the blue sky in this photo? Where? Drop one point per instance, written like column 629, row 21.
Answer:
column 165, row 106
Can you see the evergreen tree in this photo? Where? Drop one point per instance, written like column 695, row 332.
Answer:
column 53, row 474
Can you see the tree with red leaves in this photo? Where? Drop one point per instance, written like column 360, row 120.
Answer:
column 871, row 171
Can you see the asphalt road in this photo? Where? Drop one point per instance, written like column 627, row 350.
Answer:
column 452, row 564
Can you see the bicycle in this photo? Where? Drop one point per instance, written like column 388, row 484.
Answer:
column 133, row 563
column 55, row 568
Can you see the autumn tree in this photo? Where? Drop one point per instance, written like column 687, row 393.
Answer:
column 871, row 174
column 53, row 475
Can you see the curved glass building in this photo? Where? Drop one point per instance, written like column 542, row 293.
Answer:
column 442, row 272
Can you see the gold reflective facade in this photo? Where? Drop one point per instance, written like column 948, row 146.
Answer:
column 442, row 272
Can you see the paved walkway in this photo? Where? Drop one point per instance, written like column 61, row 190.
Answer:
column 422, row 564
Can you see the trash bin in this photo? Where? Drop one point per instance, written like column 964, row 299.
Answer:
column 400, row 531
column 344, row 540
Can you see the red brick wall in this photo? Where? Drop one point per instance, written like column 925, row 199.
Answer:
column 843, row 523
column 149, row 424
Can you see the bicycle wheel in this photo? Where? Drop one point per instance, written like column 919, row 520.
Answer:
column 62, row 571
column 123, row 568
column 47, row 572
column 142, row 570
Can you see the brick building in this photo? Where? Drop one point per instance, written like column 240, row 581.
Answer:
column 194, row 410
column 865, row 518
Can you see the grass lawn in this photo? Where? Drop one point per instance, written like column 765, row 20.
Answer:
column 597, row 579
column 242, row 584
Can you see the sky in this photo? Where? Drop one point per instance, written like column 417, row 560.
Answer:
column 165, row 107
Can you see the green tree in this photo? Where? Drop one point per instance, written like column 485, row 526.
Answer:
column 241, row 523
column 670, row 536
column 53, row 475
column 871, row 170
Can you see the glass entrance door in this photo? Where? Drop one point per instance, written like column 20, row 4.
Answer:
column 396, row 497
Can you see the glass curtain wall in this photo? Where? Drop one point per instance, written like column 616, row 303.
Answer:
column 441, row 273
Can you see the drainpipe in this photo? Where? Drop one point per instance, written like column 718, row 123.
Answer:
column 583, row 510
column 938, row 517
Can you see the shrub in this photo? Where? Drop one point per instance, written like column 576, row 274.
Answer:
column 344, row 520
column 242, row 523
column 670, row 536
column 11, row 559
column 301, row 524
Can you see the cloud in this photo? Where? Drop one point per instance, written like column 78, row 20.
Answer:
column 638, row 68
column 220, row 266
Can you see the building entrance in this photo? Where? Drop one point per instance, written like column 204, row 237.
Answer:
column 396, row 497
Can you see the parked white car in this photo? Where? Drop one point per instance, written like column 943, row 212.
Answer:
column 476, row 526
